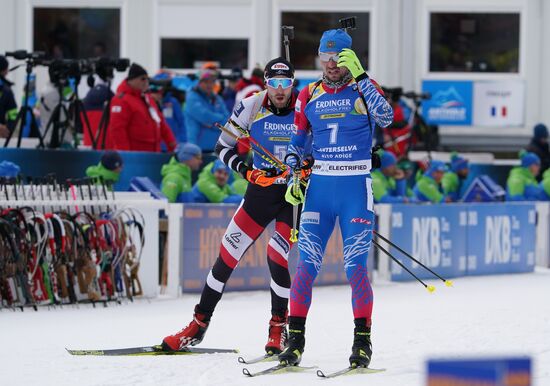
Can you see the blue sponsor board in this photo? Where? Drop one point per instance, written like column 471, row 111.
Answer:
column 434, row 234
column 203, row 228
column 501, row 238
column 480, row 372
column 450, row 104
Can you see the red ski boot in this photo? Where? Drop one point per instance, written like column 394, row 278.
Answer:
column 278, row 335
column 190, row 335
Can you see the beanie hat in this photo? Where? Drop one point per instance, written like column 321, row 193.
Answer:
column 387, row 159
column 219, row 165
column 334, row 40
column 540, row 131
column 279, row 67
column 528, row 158
column 136, row 71
column 3, row 63
column 458, row 163
column 436, row 166
column 207, row 74
column 9, row 169
column 111, row 160
column 186, row 151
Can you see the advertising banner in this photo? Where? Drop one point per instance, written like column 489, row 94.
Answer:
column 450, row 104
column 203, row 228
column 501, row 238
column 434, row 234
column 499, row 104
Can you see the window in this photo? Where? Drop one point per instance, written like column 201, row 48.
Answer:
column 190, row 53
column 308, row 29
column 474, row 42
column 77, row 33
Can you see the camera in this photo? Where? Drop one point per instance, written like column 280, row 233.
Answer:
column 38, row 56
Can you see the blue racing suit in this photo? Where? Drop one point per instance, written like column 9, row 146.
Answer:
column 340, row 185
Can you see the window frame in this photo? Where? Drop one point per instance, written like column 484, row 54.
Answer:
column 360, row 6
column 469, row 6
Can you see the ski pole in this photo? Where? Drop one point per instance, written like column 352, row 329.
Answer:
column 430, row 288
column 448, row 283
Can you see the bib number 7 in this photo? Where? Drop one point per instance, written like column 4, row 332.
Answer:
column 333, row 132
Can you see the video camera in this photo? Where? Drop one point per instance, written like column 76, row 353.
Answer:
column 37, row 57
column 62, row 69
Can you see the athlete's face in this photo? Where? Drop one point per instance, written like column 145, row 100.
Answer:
column 330, row 68
column 279, row 91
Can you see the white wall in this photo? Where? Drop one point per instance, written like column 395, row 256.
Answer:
column 398, row 39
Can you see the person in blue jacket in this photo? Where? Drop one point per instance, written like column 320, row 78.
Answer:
column 203, row 109
column 171, row 108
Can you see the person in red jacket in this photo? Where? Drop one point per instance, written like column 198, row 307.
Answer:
column 136, row 123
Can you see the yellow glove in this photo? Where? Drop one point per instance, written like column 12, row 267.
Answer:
column 349, row 59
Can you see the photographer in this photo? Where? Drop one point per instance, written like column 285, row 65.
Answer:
column 136, row 122
column 162, row 92
column 397, row 136
column 94, row 103
column 8, row 107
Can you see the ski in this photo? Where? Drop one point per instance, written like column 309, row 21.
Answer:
column 280, row 368
column 150, row 350
column 349, row 371
column 263, row 358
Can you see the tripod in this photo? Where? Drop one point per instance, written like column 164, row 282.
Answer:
column 101, row 134
column 59, row 119
column 22, row 114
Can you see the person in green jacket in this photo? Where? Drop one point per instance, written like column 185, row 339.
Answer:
column 545, row 186
column 176, row 174
column 388, row 182
column 108, row 168
column 428, row 187
column 213, row 185
column 453, row 180
column 522, row 182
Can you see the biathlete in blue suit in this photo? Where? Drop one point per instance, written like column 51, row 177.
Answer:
column 340, row 112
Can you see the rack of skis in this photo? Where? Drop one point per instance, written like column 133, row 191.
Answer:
column 66, row 243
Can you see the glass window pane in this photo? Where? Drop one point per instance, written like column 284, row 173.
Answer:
column 189, row 53
column 474, row 42
column 308, row 28
column 77, row 32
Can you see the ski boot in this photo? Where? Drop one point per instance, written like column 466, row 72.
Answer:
column 361, row 350
column 190, row 335
column 292, row 354
column 278, row 336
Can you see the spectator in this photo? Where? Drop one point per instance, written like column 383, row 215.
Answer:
column 170, row 106
column 213, row 185
column 108, row 169
column 8, row 107
column 388, row 182
column 247, row 87
column 9, row 169
column 522, row 181
column 203, row 109
column 539, row 145
column 229, row 92
column 453, row 181
column 428, row 187
column 137, row 123
column 94, row 104
column 176, row 174
column 397, row 136
column 545, row 186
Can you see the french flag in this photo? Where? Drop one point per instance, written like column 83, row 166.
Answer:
column 499, row 112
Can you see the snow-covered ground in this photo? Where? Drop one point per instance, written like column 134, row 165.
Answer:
column 495, row 315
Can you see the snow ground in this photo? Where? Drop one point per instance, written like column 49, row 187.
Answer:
column 491, row 315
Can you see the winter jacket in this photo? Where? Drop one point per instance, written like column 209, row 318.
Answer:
column 176, row 179
column 428, row 190
column 207, row 190
column 387, row 189
column 545, row 186
column 453, row 185
column 99, row 171
column 522, row 185
column 173, row 113
column 201, row 113
column 136, row 123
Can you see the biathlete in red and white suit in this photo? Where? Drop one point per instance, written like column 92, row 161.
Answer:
column 268, row 117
